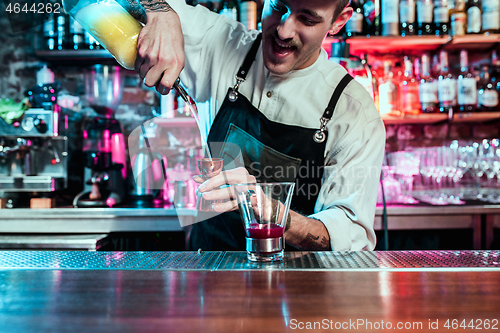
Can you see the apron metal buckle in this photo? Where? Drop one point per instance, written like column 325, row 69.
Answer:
column 233, row 94
column 320, row 136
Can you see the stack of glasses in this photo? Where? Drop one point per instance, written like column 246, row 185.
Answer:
column 448, row 174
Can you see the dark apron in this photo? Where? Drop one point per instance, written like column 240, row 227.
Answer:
column 270, row 151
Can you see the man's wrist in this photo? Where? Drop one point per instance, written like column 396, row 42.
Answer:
column 288, row 221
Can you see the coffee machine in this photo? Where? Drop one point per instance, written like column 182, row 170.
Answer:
column 104, row 151
column 33, row 154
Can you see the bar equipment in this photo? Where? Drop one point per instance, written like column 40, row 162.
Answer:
column 264, row 210
column 103, row 142
column 149, row 171
column 33, row 153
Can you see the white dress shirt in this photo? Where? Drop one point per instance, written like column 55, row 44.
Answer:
column 215, row 47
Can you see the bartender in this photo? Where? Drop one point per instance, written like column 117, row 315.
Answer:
column 277, row 97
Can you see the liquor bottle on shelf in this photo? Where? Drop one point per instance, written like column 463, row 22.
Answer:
column 458, row 18
column 441, row 17
column 447, row 86
column 91, row 43
column 427, row 89
column 466, row 86
column 49, row 33
column 61, row 24
column 425, row 10
column 248, row 14
column 390, row 17
column 490, row 17
column 229, row 9
column 77, row 35
column 487, row 95
column 388, row 92
column 417, row 69
column 495, row 71
column 473, row 9
column 408, row 88
column 371, row 10
column 361, row 72
column 407, row 18
column 435, row 65
column 354, row 27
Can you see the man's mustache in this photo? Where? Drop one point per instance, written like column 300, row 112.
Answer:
column 291, row 42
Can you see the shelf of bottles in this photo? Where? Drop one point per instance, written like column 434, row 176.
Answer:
column 418, row 57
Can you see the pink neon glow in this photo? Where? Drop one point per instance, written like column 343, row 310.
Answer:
column 56, row 120
column 85, row 134
column 118, row 152
column 107, row 144
column 116, row 83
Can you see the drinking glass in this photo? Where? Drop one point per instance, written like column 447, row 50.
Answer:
column 264, row 209
column 407, row 165
column 208, row 168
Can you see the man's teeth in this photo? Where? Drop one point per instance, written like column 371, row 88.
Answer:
column 282, row 44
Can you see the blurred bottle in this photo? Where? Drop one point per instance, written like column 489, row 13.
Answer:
column 495, row 71
column 388, row 92
column 435, row 66
column 447, row 86
column 407, row 18
column 248, row 14
column 473, row 8
column 487, row 95
column 62, row 21
column 417, row 69
column 441, row 17
column 354, row 27
column 458, row 18
column 371, row 10
column 408, row 88
column 77, row 35
column 229, row 9
column 91, row 43
column 425, row 10
column 361, row 72
column 466, row 86
column 390, row 17
column 428, row 88
column 490, row 17
column 49, row 32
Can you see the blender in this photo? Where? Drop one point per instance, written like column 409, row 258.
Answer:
column 103, row 148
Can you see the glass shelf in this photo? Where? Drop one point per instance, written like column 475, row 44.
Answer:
column 414, row 44
column 433, row 118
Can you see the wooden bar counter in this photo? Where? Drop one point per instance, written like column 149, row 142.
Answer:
column 221, row 292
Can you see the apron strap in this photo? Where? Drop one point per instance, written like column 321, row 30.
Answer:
column 250, row 57
column 336, row 96
column 320, row 135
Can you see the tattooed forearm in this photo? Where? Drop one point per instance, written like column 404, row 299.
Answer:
column 311, row 243
column 156, row 6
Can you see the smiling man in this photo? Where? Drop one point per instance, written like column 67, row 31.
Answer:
column 276, row 97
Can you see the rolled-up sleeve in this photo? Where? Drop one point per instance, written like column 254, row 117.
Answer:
column 348, row 196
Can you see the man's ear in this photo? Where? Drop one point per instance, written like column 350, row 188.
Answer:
column 341, row 20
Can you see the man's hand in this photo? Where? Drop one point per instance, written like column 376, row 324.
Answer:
column 211, row 188
column 160, row 47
